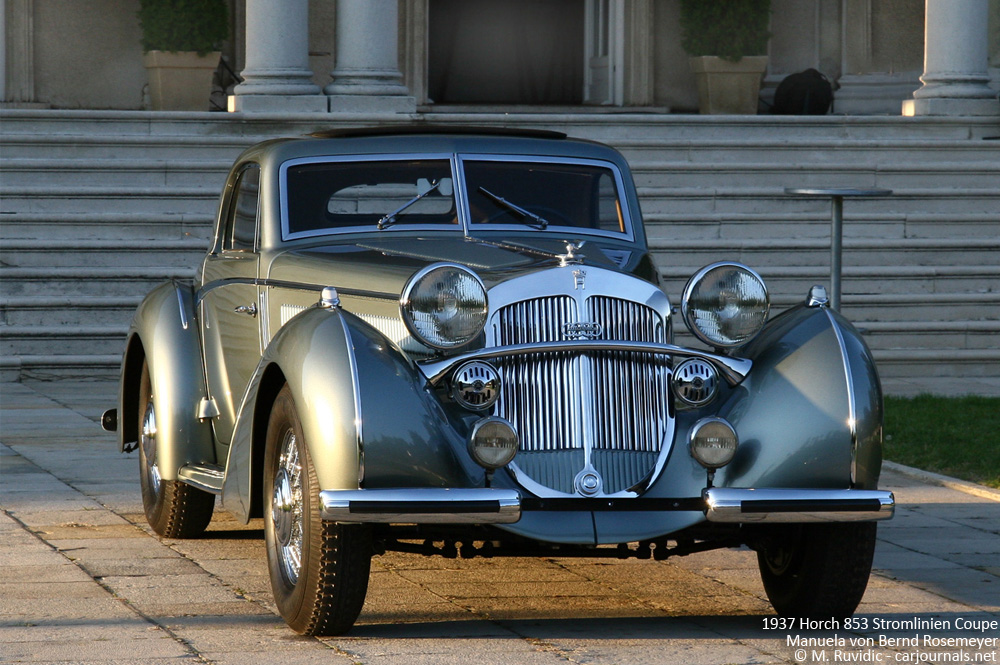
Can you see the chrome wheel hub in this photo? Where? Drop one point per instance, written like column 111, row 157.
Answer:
column 148, row 443
column 287, row 509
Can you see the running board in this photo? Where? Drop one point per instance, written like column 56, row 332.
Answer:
column 206, row 477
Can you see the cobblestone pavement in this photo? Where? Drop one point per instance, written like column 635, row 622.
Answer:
column 83, row 580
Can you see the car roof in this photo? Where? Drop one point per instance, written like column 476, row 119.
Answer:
column 417, row 139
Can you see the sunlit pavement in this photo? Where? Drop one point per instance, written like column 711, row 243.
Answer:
column 82, row 579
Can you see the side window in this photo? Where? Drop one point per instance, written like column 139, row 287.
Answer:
column 241, row 225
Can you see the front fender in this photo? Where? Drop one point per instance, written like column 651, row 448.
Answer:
column 367, row 415
column 164, row 333
column 810, row 412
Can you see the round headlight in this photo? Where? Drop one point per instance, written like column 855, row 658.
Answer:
column 713, row 442
column 493, row 443
column 725, row 304
column 444, row 305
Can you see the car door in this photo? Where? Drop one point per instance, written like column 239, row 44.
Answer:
column 231, row 303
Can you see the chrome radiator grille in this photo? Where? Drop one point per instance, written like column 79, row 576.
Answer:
column 613, row 405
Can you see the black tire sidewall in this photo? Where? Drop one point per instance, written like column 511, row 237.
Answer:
column 828, row 569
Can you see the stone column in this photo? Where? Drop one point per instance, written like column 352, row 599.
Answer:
column 19, row 53
column 956, row 79
column 367, row 77
column 277, row 77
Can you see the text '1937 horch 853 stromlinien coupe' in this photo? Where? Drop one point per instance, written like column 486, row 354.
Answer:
column 453, row 341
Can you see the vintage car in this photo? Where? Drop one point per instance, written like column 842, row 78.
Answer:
column 453, row 341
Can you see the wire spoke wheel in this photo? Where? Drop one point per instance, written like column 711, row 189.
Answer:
column 287, row 508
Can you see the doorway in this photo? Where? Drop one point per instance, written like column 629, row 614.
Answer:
column 526, row 52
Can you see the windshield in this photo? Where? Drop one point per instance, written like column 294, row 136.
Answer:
column 502, row 192
column 333, row 196
column 543, row 195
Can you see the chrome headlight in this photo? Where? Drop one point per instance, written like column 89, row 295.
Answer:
column 444, row 305
column 725, row 304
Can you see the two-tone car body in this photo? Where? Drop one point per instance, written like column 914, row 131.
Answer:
column 454, row 342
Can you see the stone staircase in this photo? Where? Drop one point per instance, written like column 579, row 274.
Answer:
column 98, row 207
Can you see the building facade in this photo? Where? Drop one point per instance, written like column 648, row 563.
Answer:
column 343, row 55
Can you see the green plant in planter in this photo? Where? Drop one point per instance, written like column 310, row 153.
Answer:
column 729, row 29
column 183, row 25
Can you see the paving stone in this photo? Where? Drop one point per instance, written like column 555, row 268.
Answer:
column 209, row 598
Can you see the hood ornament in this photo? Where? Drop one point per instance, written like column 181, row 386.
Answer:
column 571, row 256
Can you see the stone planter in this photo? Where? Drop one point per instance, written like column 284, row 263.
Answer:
column 726, row 87
column 180, row 81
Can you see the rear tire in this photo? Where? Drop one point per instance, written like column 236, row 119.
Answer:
column 173, row 509
column 319, row 570
column 817, row 571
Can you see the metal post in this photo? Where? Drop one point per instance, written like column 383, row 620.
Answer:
column 836, row 228
column 836, row 250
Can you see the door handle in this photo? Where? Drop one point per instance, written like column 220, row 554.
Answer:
column 250, row 309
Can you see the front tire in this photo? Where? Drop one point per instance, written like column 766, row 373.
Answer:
column 173, row 509
column 319, row 570
column 817, row 571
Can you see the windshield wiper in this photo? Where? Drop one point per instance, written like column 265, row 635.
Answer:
column 540, row 223
column 390, row 219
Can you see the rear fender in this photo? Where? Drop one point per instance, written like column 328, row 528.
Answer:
column 164, row 333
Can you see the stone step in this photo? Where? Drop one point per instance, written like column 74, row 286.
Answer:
column 59, row 199
column 63, row 340
column 28, row 173
column 106, row 225
column 111, row 282
column 45, row 368
column 812, row 252
column 931, row 175
column 725, row 201
column 98, row 253
column 864, row 154
column 861, row 280
column 107, row 147
column 936, row 362
column 39, row 310
column 666, row 227
column 602, row 125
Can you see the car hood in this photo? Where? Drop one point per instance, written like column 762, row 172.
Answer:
column 383, row 265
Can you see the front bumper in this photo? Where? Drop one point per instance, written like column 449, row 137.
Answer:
column 501, row 506
column 726, row 504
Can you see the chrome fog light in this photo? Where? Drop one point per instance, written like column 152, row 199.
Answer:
column 476, row 385
column 695, row 382
column 713, row 442
column 493, row 443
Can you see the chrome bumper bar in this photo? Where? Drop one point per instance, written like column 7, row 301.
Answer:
column 726, row 504
column 422, row 506
column 500, row 506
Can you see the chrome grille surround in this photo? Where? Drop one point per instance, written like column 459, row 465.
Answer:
column 578, row 414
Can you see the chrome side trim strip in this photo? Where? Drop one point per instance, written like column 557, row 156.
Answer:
column 356, row 386
column 726, row 504
column 852, row 410
column 733, row 369
column 422, row 506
